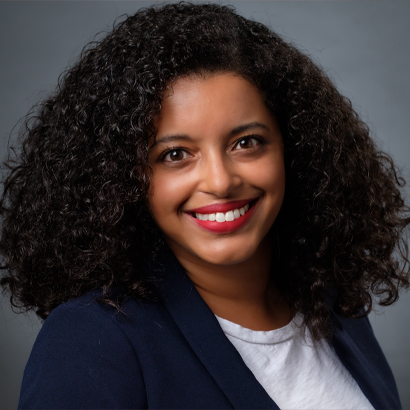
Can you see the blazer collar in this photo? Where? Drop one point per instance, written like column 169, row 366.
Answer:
column 202, row 331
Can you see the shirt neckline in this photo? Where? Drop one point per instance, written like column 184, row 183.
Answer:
column 261, row 336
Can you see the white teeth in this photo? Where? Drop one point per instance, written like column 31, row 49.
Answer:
column 224, row 217
column 220, row 217
column 229, row 216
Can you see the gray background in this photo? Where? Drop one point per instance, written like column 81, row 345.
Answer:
column 364, row 46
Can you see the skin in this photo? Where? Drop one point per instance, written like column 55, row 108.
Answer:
column 201, row 157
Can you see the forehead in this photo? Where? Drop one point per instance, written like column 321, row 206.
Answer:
column 210, row 103
column 208, row 87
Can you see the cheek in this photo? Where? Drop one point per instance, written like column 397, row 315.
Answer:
column 270, row 175
column 166, row 194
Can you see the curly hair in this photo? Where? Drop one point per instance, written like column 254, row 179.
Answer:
column 74, row 205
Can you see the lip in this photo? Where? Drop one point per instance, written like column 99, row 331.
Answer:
column 225, row 207
column 228, row 226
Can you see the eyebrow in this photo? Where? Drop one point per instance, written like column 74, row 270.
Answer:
column 245, row 127
column 185, row 137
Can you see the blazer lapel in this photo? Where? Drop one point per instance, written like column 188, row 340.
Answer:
column 358, row 350
column 353, row 341
column 202, row 331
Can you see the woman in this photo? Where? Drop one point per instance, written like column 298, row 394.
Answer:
column 202, row 220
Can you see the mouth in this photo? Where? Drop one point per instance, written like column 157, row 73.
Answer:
column 224, row 218
column 228, row 216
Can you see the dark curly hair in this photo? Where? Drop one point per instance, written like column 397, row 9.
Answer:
column 74, row 205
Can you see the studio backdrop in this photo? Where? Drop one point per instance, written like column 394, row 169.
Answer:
column 363, row 46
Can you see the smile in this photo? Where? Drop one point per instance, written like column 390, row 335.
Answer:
column 224, row 218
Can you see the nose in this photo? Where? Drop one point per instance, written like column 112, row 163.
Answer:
column 219, row 176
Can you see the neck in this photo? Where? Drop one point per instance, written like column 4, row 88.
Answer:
column 241, row 293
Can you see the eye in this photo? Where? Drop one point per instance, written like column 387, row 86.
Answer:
column 246, row 143
column 174, row 155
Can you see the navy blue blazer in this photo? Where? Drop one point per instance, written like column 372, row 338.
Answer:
column 171, row 354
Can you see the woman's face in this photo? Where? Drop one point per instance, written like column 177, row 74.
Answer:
column 218, row 169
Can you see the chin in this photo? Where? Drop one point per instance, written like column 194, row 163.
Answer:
column 226, row 257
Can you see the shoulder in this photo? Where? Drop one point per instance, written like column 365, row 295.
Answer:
column 355, row 335
column 357, row 348
column 82, row 357
column 357, row 330
column 88, row 323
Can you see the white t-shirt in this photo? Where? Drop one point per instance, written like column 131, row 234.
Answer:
column 296, row 372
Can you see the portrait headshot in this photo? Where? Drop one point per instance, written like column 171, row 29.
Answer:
column 205, row 205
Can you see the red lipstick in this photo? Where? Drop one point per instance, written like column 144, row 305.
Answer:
column 225, row 207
